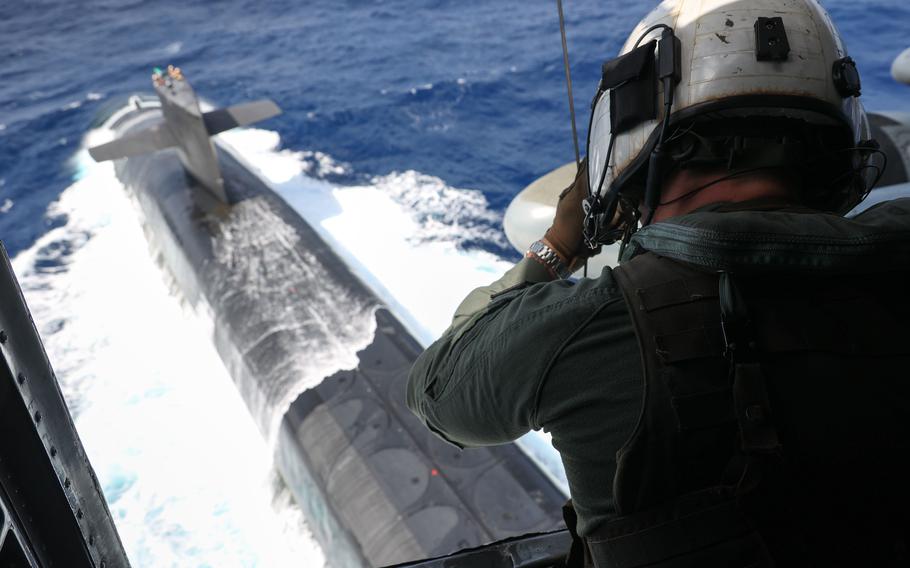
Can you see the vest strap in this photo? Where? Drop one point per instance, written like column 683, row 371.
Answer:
column 703, row 479
column 750, row 394
column 679, row 291
column 578, row 555
column 685, row 316
column 753, row 410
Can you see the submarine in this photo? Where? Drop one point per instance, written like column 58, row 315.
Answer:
column 319, row 360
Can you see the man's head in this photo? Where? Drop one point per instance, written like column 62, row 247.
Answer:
column 758, row 87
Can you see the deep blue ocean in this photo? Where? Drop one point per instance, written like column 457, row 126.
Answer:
column 470, row 91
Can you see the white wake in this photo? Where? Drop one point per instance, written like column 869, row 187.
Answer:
column 186, row 472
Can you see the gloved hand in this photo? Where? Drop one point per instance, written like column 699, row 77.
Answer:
column 566, row 235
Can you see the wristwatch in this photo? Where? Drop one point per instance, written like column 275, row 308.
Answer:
column 548, row 257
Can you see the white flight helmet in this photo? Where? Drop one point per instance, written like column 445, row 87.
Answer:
column 743, row 59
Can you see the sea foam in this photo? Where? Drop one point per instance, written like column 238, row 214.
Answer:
column 187, row 475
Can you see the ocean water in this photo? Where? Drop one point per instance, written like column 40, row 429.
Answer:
column 418, row 121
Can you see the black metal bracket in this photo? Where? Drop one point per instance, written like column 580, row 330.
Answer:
column 771, row 43
column 846, row 77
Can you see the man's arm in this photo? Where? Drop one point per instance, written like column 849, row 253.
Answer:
column 479, row 384
column 426, row 382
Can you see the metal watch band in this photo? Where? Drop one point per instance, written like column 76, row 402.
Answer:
column 549, row 258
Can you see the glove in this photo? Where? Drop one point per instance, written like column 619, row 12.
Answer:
column 566, row 235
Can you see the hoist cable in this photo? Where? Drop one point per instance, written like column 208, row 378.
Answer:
column 565, row 62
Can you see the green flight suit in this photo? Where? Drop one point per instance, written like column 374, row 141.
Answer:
column 527, row 353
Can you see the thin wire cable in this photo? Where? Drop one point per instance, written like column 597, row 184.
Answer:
column 879, row 172
column 649, row 30
column 668, row 106
column 565, row 62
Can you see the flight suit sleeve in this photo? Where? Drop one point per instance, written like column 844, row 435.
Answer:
column 524, row 273
column 479, row 383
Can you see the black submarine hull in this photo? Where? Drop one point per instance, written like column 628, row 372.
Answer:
column 322, row 366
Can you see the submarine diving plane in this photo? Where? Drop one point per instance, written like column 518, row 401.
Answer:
column 290, row 322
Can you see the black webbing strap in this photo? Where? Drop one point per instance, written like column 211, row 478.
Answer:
column 758, row 437
column 750, row 398
column 675, row 292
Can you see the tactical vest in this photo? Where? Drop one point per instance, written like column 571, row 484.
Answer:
column 775, row 425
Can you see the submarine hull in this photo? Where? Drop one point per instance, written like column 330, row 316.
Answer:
column 322, row 366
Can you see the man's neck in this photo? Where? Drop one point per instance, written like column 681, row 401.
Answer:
column 680, row 196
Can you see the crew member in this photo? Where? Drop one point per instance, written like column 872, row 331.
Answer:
column 737, row 391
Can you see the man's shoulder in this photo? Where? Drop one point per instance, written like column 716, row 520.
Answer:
column 784, row 240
